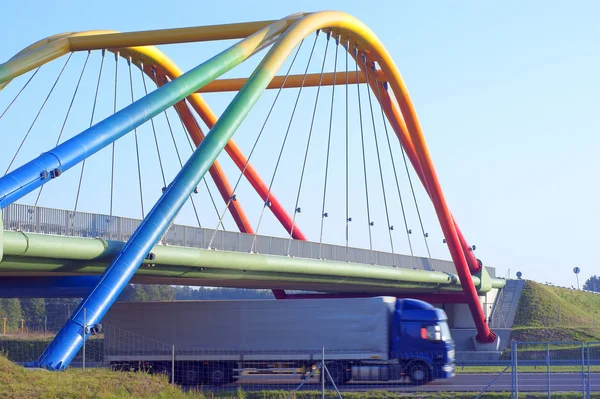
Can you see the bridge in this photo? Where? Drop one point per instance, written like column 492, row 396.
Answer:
column 339, row 142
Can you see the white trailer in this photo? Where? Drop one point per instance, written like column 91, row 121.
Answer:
column 216, row 341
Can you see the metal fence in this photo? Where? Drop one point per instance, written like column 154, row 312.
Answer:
column 81, row 224
column 549, row 369
column 565, row 369
column 213, row 370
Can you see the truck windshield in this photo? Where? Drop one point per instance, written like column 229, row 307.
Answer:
column 445, row 330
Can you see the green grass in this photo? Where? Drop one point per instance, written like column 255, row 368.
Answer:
column 397, row 395
column 523, row 369
column 538, row 314
column 17, row 382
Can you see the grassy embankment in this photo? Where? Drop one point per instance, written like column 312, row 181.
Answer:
column 538, row 315
column 17, row 382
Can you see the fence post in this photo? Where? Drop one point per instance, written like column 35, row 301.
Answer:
column 512, row 369
column 589, row 362
column 173, row 366
column 548, row 367
column 84, row 331
column 323, row 374
column 583, row 370
column 515, row 370
column 45, row 325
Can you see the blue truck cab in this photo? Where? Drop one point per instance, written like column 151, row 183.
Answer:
column 420, row 335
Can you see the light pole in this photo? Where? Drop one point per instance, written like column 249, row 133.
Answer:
column 576, row 270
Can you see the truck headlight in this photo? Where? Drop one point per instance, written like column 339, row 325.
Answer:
column 451, row 354
column 448, row 368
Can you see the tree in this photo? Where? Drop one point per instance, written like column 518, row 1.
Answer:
column 592, row 284
column 148, row 293
column 34, row 312
column 12, row 310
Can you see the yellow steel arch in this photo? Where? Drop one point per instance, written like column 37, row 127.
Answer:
column 293, row 30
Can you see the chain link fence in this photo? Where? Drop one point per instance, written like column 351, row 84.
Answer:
column 549, row 369
column 546, row 369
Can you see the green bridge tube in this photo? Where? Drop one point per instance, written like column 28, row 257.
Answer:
column 180, row 260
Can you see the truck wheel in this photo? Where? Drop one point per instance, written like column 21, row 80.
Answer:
column 192, row 377
column 220, row 376
column 419, row 374
column 338, row 374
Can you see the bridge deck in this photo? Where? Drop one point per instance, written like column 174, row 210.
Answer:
column 18, row 217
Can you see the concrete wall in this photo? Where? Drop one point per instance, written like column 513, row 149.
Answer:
column 459, row 315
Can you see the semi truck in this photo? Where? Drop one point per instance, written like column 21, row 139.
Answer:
column 219, row 342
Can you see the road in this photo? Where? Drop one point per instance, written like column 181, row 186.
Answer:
column 528, row 382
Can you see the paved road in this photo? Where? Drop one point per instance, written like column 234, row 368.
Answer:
column 528, row 382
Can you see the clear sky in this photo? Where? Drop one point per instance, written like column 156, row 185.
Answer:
column 507, row 94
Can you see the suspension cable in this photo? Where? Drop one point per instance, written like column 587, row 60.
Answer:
column 406, row 229
column 364, row 158
column 387, row 215
column 38, row 114
column 323, row 213
column 162, row 171
column 193, row 149
column 233, row 197
column 19, row 93
column 112, row 170
column 62, row 129
column 312, row 124
column 181, row 165
column 416, row 203
column 155, row 80
column 267, row 203
column 91, row 123
column 348, row 219
column 135, row 134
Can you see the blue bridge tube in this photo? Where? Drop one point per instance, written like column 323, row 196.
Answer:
column 70, row 338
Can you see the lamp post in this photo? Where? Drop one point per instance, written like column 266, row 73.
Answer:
column 576, row 270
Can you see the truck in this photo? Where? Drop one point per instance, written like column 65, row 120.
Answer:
column 219, row 342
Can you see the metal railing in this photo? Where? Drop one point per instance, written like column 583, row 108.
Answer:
column 82, row 224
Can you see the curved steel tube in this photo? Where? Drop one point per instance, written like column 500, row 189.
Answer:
column 132, row 255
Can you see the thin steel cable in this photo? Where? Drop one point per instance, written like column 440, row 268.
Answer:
column 406, row 229
column 181, row 165
column 137, row 148
column 112, row 170
column 412, row 189
column 162, row 171
column 257, row 140
column 387, row 215
column 347, row 46
column 91, row 123
column 337, row 43
column 193, row 148
column 310, row 131
column 62, row 129
column 20, row 91
column 267, row 203
column 415, row 201
column 38, row 114
column 364, row 157
column 155, row 80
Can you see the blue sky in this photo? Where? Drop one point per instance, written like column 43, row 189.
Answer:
column 507, row 95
